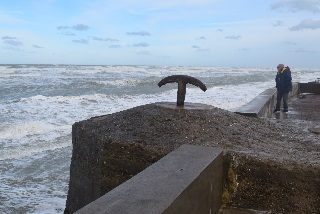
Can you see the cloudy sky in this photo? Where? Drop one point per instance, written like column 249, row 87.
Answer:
column 242, row 33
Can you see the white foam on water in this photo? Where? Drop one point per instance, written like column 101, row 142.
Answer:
column 18, row 131
column 227, row 97
column 38, row 186
column 121, row 83
column 31, row 149
column 50, row 206
column 18, row 75
column 305, row 75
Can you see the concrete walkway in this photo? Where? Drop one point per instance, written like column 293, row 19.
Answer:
column 306, row 107
column 304, row 112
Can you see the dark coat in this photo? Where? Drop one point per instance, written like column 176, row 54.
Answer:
column 283, row 80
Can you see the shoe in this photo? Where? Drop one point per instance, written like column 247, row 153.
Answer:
column 276, row 110
column 285, row 110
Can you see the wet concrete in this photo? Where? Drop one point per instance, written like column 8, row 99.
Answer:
column 304, row 113
column 306, row 107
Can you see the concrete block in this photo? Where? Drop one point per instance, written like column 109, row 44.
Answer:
column 100, row 163
column 311, row 87
column 261, row 105
column 187, row 180
column 264, row 104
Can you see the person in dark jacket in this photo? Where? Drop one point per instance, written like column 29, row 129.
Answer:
column 284, row 86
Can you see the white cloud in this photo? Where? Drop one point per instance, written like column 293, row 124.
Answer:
column 81, row 41
column 304, row 50
column 78, row 27
column 289, row 43
column 306, row 24
column 202, row 38
column 104, row 39
column 233, row 37
column 146, row 53
column 8, row 37
column 36, row 46
column 139, row 33
column 114, row 46
column 278, row 23
column 68, row 33
column 203, row 49
column 298, row 5
column 141, row 44
column 11, row 41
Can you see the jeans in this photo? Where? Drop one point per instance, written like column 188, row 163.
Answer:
column 282, row 96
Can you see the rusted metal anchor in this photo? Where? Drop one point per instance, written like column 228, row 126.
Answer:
column 182, row 81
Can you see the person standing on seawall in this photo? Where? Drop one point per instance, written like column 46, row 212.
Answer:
column 284, row 86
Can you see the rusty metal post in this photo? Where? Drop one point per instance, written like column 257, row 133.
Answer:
column 181, row 94
column 182, row 81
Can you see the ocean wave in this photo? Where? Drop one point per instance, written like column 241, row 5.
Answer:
column 22, row 151
column 121, row 82
column 9, row 75
column 21, row 130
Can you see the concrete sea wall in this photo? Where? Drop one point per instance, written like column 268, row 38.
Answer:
column 115, row 156
column 264, row 104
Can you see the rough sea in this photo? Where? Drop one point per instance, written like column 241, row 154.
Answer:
column 39, row 104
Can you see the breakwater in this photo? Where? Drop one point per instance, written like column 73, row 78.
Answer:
column 104, row 148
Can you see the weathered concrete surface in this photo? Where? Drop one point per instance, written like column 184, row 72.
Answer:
column 307, row 108
column 264, row 104
column 275, row 187
column 187, row 180
column 99, row 164
column 110, row 149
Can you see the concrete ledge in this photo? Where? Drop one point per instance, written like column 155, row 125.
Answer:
column 260, row 105
column 311, row 87
column 264, row 103
column 187, row 180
